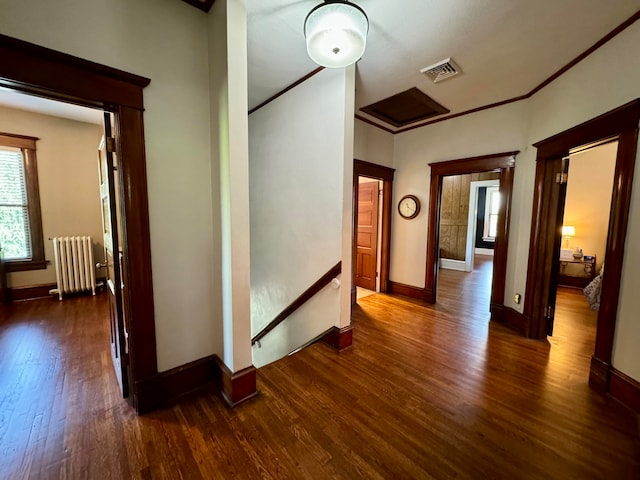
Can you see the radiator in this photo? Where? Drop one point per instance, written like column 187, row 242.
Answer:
column 75, row 271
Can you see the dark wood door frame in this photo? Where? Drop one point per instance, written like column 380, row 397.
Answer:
column 621, row 123
column 40, row 71
column 385, row 174
column 499, row 162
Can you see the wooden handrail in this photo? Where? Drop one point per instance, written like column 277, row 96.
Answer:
column 301, row 300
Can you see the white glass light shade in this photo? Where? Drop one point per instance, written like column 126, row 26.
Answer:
column 568, row 231
column 336, row 34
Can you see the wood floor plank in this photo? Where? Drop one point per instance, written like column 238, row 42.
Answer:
column 427, row 391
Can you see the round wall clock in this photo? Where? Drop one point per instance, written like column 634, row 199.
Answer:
column 409, row 206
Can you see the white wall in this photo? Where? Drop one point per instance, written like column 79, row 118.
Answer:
column 492, row 131
column 230, row 176
column 584, row 92
column 372, row 144
column 67, row 160
column 588, row 201
column 166, row 41
column 297, row 177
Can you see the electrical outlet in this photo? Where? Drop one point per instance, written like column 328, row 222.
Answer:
column 516, row 298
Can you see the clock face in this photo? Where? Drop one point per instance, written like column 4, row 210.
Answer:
column 409, row 206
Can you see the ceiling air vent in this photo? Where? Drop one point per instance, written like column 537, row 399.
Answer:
column 442, row 70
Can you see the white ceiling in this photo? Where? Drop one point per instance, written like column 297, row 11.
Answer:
column 504, row 47
column 30, row 103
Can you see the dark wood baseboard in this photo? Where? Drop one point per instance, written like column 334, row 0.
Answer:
column 167, row 387
column 625, row 389
column 236, row 387
column 510, row 318
column 339, row 338
column 31, row 291
column 409, row 291
column 599, row 374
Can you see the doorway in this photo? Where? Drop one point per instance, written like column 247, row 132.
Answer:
column 586, row 208
column 368, row 244
column 371, row 256
column 503, row 164
column 546, row 230
column 43, row 72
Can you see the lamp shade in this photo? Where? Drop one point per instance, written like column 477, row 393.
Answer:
column 568, row 231
column 336, row 33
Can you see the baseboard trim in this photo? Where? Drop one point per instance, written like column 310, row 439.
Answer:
column 449, row 264
column 408, row 291
column 236, row 387
column 339, row 338
column 169, row 386
column 624, row 389
column 599, row 374
column 510, row 318
column 31, row 292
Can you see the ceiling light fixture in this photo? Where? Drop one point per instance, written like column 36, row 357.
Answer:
column 336, row 33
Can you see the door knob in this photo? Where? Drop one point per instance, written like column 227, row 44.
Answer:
column 101, row 265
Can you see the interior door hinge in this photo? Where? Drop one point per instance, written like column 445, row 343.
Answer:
column 561, row 178
column 111, row 145
column 548, row 312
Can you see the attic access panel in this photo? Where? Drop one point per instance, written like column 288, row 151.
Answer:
column 405, row 108
column 204, row 5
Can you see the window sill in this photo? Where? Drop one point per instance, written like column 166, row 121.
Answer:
column 489, row 239
column 24, row 265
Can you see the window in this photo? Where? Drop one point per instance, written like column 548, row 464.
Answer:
column 492, row 206
column 20, row 219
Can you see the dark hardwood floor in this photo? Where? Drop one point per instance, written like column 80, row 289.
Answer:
column 425, row 392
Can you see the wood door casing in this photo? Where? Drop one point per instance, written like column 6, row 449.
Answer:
column 621, row 123
column 367, row 235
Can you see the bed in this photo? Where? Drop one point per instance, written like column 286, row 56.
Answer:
column 593, row 290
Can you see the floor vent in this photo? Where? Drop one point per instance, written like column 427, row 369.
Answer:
column 442, row 70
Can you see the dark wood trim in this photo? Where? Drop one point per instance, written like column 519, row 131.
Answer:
column 136, row 242
column 204, row 5
column 27, row 145
column 18, row 141
column 505, row 164
column 509, row 317
column 30, row 292
column 25, row 265
column 5, row 292
column 34, row 210
column 613, row 33
column 609, row 36
column 599, row 374
column 339, row 338
column 623, row 124
column 298, row 302
column 625, row 389
column 167, row 387
column 385, row 174
column 397, row 288
column 236, row 387
column 75, row 80
column 460, row 114
column 286, row 89
column 371, row 122
column 37, row 70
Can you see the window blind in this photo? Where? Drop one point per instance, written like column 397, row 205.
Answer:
column 15, row 234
